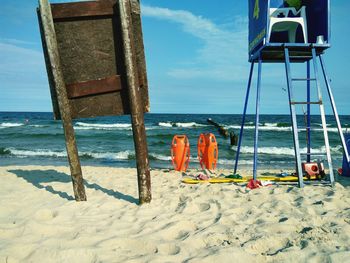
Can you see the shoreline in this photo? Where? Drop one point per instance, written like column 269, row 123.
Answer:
column 195, row 223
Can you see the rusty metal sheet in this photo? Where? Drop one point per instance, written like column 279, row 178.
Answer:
column 81, row 9
column 94, row 87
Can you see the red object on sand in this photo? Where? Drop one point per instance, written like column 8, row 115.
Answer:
column 340, row 171
column 313, row 169
column 252, row 184
column 180, row 152
column 207, row 151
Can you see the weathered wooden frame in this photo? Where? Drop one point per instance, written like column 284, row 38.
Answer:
column 116, row 85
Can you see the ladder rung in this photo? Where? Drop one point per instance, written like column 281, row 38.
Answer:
column 304, row 79
column 305, row 102
column 300, row 56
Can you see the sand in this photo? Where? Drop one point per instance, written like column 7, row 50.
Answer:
column 41, row 222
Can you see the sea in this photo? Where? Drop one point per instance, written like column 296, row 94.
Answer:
column 35, row 138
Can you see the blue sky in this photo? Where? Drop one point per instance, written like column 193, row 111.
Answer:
column 196, row 54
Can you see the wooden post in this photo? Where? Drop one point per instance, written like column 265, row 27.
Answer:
column 55, row 67
column 136, row 105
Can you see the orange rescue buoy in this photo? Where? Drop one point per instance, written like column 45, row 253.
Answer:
column 207, row 151
column 180, row 152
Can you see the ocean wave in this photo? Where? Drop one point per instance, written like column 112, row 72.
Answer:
column 38, row 126
column 274, row 127
column 130, row 155
column 277, row 124
column 4, row 151
column 101, row 126
column 149, row 128
column 285, row 150
column 39, row 153
column 330, row 129
column 261, row 128
column 10, row 125
column 160, row 157
column 181, row 124
column 123, row 155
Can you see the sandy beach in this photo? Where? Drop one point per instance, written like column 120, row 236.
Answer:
column 41, row 222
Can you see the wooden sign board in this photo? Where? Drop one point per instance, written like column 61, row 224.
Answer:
column 89, row 41
column 95, row 62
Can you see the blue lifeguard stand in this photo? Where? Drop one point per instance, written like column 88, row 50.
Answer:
column 292, row 31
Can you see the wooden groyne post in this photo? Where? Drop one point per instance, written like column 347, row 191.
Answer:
column 224, row 132
column 221, row 129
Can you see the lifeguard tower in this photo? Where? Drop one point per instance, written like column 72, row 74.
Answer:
column 292, row 31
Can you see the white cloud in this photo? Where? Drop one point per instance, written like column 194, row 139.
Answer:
column 223, row 54
column 17, row 60
column 23, row 81
column 16, row 41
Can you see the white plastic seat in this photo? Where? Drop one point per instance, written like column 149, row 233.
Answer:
column 281, row 21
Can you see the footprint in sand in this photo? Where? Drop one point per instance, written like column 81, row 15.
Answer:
column 168, row 249
column 283, row 219
column 204, row 207
column 128, row 245
column 178, row 230
column 45, row 214
column 318, row 203
column 182, row 235
column 183, row 200
column 11, row 232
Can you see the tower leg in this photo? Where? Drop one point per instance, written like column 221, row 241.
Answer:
column 294, row 120
column 257, row 110
column 244, row 115
column 323, row 118
column 308, row 128
column 335, row 112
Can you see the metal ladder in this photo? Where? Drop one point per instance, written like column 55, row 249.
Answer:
column 293, row 103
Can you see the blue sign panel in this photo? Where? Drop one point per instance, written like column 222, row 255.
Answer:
column 346, row 168
column 257, row 23
column 318, row 20
column 288, row 21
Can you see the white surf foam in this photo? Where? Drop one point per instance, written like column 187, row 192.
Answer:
column 101, row 126
column 10, row 125
column 123, row 155
column 271, row 124
column 284, row 150
column 271, row 127
column 274, row 127
column 43, row 153
column 160, row 157
column 165, row 124
column 181, row 124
